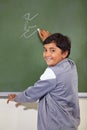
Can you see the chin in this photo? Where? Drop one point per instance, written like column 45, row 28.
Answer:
column 50, row 64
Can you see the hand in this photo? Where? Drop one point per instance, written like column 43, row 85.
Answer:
column 43, row 34
column 11, row 97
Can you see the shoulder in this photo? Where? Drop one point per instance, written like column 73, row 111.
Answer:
column 48, row 74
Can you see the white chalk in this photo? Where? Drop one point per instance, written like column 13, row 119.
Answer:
column 38, row 29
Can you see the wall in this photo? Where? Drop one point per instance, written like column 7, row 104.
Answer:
column 25, row 116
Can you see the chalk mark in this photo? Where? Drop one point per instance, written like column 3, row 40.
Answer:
column 29, row 30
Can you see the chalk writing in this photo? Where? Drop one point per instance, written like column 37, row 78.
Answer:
column 29, row 30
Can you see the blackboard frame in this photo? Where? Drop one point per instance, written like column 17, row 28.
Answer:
column 70, row 20
column 5, row 94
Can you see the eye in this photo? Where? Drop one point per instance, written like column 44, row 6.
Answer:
column 44, row 50
column 52, row 50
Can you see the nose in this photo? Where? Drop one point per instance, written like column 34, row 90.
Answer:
column 47, row 54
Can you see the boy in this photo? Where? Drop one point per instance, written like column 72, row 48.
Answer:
column 57, row 88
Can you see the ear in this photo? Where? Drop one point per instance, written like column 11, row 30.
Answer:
column 65, row 53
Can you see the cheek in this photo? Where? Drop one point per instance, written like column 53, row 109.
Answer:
column 58, row 57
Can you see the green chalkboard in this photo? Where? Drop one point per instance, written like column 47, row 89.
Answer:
column 21, row 61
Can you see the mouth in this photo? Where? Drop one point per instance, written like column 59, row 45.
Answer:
column 48, row 59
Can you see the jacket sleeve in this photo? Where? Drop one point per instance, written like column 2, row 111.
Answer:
column 43, row 86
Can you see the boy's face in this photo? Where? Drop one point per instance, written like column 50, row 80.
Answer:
column 52, row 54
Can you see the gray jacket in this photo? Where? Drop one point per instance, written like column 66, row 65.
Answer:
column 57, row 92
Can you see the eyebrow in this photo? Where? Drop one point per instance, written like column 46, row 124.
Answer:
column 50, row 48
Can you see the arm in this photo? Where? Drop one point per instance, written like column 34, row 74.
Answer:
column 35, row 92
column 43, row 86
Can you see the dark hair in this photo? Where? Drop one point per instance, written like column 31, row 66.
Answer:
column 61, row 41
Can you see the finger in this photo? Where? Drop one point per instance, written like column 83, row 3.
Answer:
column 7, row 101
column 40, row 32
